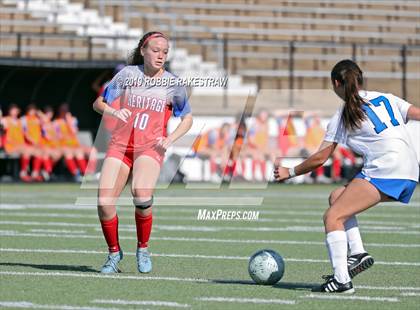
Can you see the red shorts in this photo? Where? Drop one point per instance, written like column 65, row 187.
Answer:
column 129, row 157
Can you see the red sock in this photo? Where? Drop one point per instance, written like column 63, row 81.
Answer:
column 71, row 165
column 319, row 171
column 81, row 162
column 24, row 163
column 110, row 231
column 91, row 166
column 144, row 228
column 254, row 167
column 243, row 167
column 336, row 168
column 263, row 167
column 47, row 163
column 36, row 165
column 213, row 166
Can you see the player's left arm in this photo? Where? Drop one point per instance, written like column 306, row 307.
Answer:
column 413, row 113
column 181, row 130
column 314, row 161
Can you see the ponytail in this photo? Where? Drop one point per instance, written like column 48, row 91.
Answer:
column 136, row 58
column 350, row 76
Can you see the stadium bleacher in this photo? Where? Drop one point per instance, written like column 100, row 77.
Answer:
column 264, row 46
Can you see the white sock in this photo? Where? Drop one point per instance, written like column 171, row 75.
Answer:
column 353, row 236
column 337, row 249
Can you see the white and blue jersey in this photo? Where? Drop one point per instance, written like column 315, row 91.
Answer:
column 382, row 139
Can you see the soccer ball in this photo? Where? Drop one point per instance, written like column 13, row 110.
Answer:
column 266, row 267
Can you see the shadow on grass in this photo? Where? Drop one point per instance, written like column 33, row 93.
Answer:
column 281, row 285
column 52, row 267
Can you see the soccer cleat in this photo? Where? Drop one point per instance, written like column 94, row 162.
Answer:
column 331, row 285
column 359, row 263
column 144, row 263
column 111, row 264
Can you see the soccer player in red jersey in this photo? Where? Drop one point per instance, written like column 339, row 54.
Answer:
column 138, row 142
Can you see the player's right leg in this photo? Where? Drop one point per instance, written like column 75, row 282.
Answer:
column 25, row 153
column 358, row 259
column 113, row 178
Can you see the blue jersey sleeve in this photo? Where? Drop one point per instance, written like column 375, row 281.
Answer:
column 181, row 106
column 115, row 87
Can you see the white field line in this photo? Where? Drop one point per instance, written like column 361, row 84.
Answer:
column 289, row 209
column 344, row 297
column 194, row 218
column 303, row 229
column 101, row 276
column 198, row 256
column 319, row 194
column 58, row 231
column 238, row 201
column 248, row 300
column 11, row 233
column 175, row 279
column 410, row 294
column 30, row 305
column 171, row 304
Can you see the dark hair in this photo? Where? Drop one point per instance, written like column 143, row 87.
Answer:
column 30, row 106
column 348, row 73
column 12, row 106
column 136, row 57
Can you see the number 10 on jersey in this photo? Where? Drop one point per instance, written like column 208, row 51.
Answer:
column 141, row 120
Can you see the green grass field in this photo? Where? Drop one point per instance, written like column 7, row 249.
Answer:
column 52, row 249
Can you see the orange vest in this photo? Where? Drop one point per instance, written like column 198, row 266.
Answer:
column 261, row 135
column 67, row 134
column 13, row 134
column 50, row 136
column 32, row 126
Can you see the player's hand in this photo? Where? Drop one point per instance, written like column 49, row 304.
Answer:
column 122, row 114
column 281, row 173
column 164, row 143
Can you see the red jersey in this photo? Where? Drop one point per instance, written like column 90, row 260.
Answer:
column 151, row 108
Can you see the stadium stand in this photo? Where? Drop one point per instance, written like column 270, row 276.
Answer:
column 259, row 35
column 265, row 47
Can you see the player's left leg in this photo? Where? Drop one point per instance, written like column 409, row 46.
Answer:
column 358, row 260
column 344, row 207
column 146, row 172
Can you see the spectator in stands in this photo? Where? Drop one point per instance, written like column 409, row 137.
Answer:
column 33, row 135
column 14, row 141
column 238, row 151
column 1, row 130
column 287, row 139
column 50, row 141
column 214, row 145
column 68, row 129
column 259, row 144
column 312, row 140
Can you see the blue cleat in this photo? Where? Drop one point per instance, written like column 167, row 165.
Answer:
column 111, row 264
column 144, row 263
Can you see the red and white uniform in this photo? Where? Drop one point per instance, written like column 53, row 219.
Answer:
column 150, row 107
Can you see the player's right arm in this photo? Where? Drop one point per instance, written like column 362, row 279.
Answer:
column 112, row 92
column 314, row 161
column 103, row 108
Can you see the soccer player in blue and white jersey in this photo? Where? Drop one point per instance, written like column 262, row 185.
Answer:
column 372, row 124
